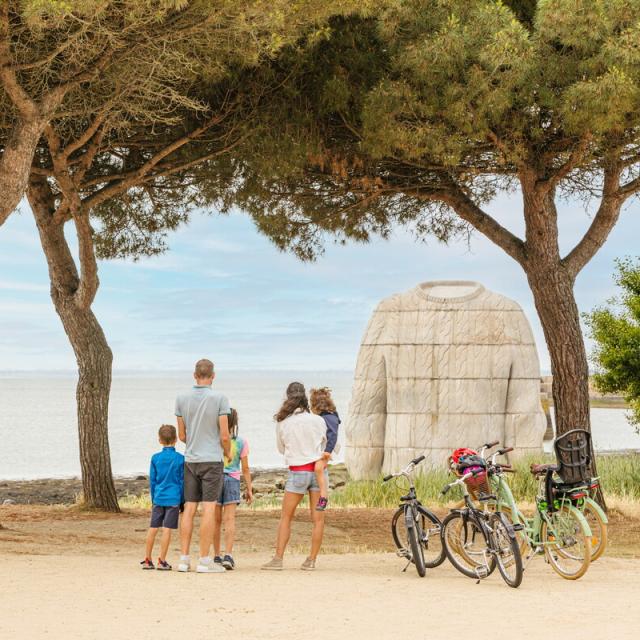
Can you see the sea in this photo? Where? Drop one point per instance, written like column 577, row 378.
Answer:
column 38, row 424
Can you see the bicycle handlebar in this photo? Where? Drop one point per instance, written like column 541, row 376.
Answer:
column 407, row 470
column 460, row 480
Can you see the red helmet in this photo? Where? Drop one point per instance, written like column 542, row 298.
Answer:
column 458, row 453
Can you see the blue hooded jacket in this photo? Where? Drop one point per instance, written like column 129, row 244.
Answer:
column 166, row 478
column 332, row 420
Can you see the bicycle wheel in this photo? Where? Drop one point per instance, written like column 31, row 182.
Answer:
column 566, row 543
column 430, row 538
column 417, row 553
column 522, row 537
column 466, row 547
column 598, row 526
column 507, row 550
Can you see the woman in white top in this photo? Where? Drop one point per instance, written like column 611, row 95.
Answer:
column 301, row 437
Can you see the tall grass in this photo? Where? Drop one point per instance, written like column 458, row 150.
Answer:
column 619, row 477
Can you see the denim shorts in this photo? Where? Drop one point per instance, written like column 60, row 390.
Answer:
column 230, row 493
column 303, row 481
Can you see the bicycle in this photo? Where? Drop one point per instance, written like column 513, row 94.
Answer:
column 557, row 529
column 418, row 527
column 476, row 541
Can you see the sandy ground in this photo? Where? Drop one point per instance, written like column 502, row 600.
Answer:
column 70, row 574
column 349, row 596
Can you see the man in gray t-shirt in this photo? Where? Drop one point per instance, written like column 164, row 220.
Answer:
column 203, row 425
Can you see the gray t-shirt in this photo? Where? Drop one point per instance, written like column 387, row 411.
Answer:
column 200, row 409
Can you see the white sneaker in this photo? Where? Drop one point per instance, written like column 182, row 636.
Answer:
column 185, row 564
column 209, row 567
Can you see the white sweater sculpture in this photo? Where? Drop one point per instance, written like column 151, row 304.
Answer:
column 445, row 365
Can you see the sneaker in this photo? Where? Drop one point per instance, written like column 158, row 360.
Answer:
column 217, row 559
column 308, row 565
column 275, row 564
column 163, row 565
column 322, row 504
column 185, row 564
column 228, row 563
column 147, row 564
column 207, row 565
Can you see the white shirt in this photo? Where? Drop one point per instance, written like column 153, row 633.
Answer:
column 301, row 438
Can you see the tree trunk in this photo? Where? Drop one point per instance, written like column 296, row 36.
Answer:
column 15, row 165
column 552, row 284
column 555, row 302
column 92, row 352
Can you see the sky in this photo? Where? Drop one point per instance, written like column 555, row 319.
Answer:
column 223, row 291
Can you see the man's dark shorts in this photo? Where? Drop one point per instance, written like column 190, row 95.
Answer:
column 166, row 517
column 202, row 481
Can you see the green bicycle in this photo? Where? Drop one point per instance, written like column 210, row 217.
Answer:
column 558, row 529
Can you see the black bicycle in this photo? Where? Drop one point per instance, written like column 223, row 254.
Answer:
column 416, row 531
column 476, row 540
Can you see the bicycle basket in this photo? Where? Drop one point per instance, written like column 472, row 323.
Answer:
column 473, row 462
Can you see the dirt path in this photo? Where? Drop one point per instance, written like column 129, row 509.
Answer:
column 349, row 596
column 70, row 574
column 37, row 529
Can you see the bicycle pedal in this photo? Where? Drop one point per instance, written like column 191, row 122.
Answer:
column 518, row 527
column 481, row 572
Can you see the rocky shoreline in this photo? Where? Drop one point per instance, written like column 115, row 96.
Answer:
column 266, row 483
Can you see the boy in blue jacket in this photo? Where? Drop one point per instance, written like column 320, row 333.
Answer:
column 166, row 481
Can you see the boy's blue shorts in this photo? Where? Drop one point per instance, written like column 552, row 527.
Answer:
column 230, row 493
column 166, row 517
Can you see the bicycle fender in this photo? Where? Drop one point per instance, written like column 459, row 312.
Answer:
column 598, row 509
column 581, row 518
column 408, row 518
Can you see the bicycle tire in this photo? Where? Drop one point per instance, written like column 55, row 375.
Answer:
column 571, row 533
column 599, row 534
column 454, row 547
column 431, row 539
column 504, row 542
column 417, row 556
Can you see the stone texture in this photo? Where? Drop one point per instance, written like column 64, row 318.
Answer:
column 444, row 365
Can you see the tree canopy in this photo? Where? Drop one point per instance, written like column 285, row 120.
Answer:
column 616, row 332
column 77, row 64
column 430, row 107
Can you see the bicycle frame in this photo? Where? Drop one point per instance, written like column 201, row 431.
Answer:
column 532, row 526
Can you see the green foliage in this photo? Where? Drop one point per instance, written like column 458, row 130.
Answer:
column 615, row 330
column 154, row 71
column 374, row 122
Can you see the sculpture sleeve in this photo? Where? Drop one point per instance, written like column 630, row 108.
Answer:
column 365, row 429
column 525, row 421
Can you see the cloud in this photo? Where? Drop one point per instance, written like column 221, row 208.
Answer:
column 225, row 290
column 15, row 285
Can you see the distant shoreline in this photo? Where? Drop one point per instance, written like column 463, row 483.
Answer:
column 66, row 491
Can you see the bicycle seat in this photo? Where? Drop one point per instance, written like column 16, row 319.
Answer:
column 539, row 469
